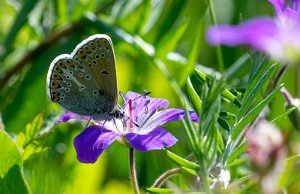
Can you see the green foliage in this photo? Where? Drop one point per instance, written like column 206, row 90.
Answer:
column 31, row 142
column 160, row 46
column 11, row 173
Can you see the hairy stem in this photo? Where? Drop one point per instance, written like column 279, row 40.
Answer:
column 133, row 178
column 166, row 175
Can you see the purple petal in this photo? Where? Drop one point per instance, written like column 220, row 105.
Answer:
column 284, row 12
column 144, row 106
column 69, row 115
column 295, row 4
column 165, row 116
column 139, row 101
column 91, row 142
column 257, row 33
column 157, row 139
column 279, row 6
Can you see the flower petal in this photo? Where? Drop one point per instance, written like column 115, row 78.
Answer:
column 91, row 142
column 295, row 4
column 140, row 100
column 69, row 115
column 287, row 13
column 257, row 33
column 144, row 106
column 279, row 6
column 164, row 116
column 157, row 139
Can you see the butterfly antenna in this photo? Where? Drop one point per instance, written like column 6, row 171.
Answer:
column 88, row 122
column 146, row 93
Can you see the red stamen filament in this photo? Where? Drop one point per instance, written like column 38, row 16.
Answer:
column 130, row 113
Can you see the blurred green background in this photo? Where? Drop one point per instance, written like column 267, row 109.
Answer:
column 157, row 45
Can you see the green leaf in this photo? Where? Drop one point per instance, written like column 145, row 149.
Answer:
column 236, row 153
column 251, row 95
column 181, row 161
column 9, row 156
column 194, row 98
column 220, row 141
column 192, row 59
column 33, row 128
column 11, row 175
column 227, row 115
column 170, row 40
column 190, row 133
column 20, row 20
column 237, row 93
column 224, row 124
column 168, row 18
column 122, row 9
column 258, row 66
column 159, row 190
column 284, row 115
column 191, row 171
column 254, row 112
column 236, row 67
column 294, row 115
column 203, row 77
column 258, row 69
column 157, row 9
column 231, row 98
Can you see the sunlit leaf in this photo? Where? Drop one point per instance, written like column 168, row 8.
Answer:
column 11, row 175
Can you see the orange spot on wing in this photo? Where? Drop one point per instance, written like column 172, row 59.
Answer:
column 55, row 97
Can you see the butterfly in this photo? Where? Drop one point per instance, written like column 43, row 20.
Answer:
column 84, row 82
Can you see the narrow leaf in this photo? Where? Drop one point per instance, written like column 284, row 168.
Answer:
column 250, row 96
column 224, row 124
column 284, row 115
column 254, row 112
column 170, row 40
column 159, row 190
column 181, row 161
column 236, row 153
column 20, row 20
column 192, row 59
column 194, row 98
column 230, row 97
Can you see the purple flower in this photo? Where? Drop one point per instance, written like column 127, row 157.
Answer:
column 279, row 36
column 141, row 130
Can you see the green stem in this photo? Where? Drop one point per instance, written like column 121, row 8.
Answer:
column 133, row 178
column 214, row 22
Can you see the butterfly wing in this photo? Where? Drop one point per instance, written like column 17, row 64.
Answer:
column 85, row 81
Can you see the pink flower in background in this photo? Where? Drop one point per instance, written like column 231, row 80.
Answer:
column 279, row 36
